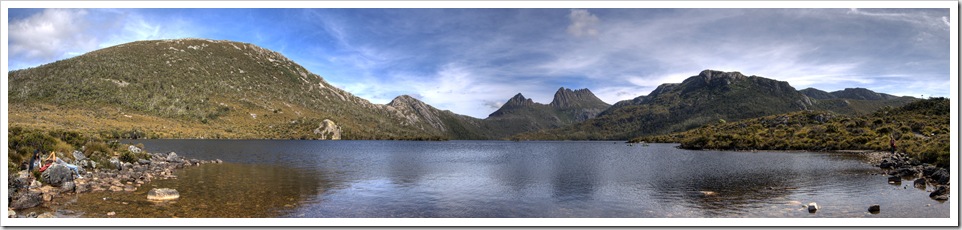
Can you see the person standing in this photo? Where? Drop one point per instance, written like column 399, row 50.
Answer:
column 892, row 143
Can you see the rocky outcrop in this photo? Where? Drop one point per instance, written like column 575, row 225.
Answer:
column 580, row 104
column 328, row 130
column 161, row 194
column 414, row 112
column 56, row 175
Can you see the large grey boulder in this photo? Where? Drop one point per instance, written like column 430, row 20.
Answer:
column 25, row 199
column 161, row 194
column 56, row 175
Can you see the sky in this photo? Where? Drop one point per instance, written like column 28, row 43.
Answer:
column 471, row 61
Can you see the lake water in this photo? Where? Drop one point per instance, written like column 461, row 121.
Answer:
column 281, row 178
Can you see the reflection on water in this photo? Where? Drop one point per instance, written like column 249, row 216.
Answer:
column 214, row 190
column 269, row 178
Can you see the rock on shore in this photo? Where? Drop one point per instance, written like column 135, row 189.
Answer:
column 25, row 191
column 161, row 194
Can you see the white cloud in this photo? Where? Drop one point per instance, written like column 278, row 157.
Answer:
column 51, row 34
column 583, row 23
column 54, row 34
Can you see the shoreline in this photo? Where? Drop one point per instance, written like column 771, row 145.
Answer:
column 28, row 193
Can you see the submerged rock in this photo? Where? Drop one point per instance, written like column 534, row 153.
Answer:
column 162, row 194
column 26, row 199
column 895, row 180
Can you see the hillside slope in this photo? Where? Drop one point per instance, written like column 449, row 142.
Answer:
column 194, row 88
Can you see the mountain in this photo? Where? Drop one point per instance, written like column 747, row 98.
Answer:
column 847, row 93
column 578, row 104
column 442, row 123
column 195, row 88
column 854, row 100
column 708, row 97
column 520, row 114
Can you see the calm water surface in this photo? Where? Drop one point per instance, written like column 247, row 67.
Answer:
column 279, row 178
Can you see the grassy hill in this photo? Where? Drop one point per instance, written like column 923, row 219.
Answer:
column 192, row 88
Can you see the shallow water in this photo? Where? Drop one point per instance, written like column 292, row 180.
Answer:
column 279, row 178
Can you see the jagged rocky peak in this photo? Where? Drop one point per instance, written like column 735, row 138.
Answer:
column 518, row 101
column 565, row 98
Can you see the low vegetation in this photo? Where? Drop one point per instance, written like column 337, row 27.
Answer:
column 22, row 143
column 920, row 129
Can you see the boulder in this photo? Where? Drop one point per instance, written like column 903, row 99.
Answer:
column 886, row 164
column 143, row 162
column 171, row 156
column 940, row 193
column 874, row 209
column 26, row 199
column 906, row 171
column 68, row 187
column 160, row 194
column 115, row 162
column 56, row 175
column 78, row 156
column 919, row 183
column 928, row 170
column 940, row 176
column 812, row 207
column 134, row 149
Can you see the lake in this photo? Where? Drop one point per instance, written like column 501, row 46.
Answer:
column 317, row 179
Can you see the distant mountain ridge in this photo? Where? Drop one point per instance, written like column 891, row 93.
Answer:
column 847, row 93
column 200, row 88
column 708, row 97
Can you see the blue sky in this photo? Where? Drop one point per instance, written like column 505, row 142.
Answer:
column 471, row 61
